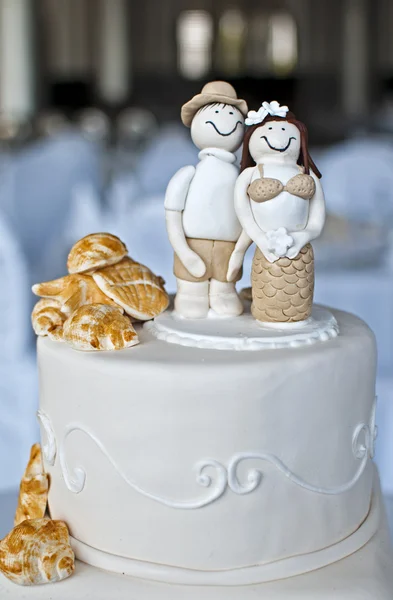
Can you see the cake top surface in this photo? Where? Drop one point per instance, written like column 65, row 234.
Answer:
column 151, row 350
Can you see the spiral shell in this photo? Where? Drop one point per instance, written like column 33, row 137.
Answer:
column 37, row 552
column 33, row 493
column 47, row 318
column 99, row 327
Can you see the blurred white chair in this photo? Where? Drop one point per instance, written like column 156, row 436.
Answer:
column 14, row 297
column 18, row 396
column 85, row 214
column 18, row 426
column 120, row 196
column 37, row 197
column 168, row 151
column 142, row 228
column 358, row 179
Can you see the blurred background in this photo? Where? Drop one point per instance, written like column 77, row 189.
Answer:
column 90, row 134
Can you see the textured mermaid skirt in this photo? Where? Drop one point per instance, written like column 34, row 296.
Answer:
column 282, row 292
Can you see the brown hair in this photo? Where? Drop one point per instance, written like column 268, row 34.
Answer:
column 304, row 159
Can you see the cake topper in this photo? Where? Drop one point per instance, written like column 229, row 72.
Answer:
column 85, row 308
column 201, row 221
column 280, row 204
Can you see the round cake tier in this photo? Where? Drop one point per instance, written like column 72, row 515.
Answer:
column 243, row 333
column 210, row 460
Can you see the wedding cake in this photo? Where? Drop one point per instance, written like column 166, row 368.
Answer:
column 225, row 448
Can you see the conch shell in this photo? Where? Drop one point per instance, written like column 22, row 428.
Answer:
column 37, row 552
column 47, row 318
column 99, row 327
column 72, row 292
column 94, row 251
column 33, row 493
column 134, row 287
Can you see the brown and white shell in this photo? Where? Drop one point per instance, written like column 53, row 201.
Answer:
column 71, row 292
column 47, row 318
column 95, row 251
column 99, row 327
column 37, row 552
column 134, row 287
column 34, row 487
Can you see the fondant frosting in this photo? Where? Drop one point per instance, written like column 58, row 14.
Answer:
column 243, row 333
column 208, row 460
column 363, row 575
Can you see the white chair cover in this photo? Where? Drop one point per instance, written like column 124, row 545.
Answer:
column 358, row 179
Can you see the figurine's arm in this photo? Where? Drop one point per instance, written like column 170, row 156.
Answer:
column 245, row 216
column 316, row 221
column 237, row 256
column 175, row 201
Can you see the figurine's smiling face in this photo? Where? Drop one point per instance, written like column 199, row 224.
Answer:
column 279, row 138
column 218, row 126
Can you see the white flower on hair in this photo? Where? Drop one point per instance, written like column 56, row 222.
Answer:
column 279, row 241
column 268, row 108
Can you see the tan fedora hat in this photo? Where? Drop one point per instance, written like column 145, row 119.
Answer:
column 214, row 91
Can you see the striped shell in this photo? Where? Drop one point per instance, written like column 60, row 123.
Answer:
column 99, row 327
column 71, row 292
column 134, row 287
column 37, row 552
column 94, row 251
column 34, row 487
column 47, row 318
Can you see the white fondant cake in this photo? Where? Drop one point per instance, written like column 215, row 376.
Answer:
column 363, row 575
column 209, row 467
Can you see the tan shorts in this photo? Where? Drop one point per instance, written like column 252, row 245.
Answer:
column 215, row 255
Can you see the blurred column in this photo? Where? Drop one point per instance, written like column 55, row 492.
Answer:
column 67, row 54
column 113, row 76
column 17, row 85
column 355, row 59
column 67, row 38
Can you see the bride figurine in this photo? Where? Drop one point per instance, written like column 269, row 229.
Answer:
column 280, row 204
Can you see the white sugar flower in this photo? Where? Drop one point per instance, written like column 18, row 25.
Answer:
column 268, row 108
column 279, row 241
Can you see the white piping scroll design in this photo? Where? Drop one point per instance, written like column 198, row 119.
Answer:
column 224, row 477
column 49, row 446
column 76, row 482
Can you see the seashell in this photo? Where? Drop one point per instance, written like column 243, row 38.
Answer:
column 264, row 188
column 34, row 487
column 95, row 251
column 99, row 327
column 134, row 287
column 37, row 552
column 301, row 185
column 47, row 318
column 72, row 291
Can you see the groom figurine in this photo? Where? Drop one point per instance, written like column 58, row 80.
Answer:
column 199, row 205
